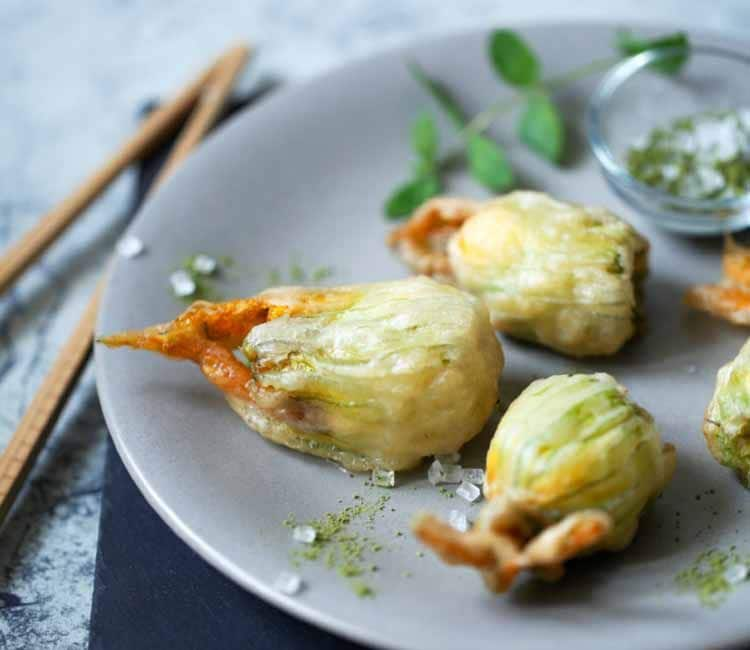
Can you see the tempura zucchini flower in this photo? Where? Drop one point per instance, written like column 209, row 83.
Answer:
column 370, row 376
column 572, row 465
column 560, row 274
column 726, row 424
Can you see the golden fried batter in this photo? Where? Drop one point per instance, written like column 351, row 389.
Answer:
column 571, row 466
column 371, row 376
column 559, row 274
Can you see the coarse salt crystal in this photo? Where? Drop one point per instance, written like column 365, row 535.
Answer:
column 304, row 534
column 449, row 458
column 452, row 473
column 384, row 477
column 710, row 179
column 182, row 283
column 670, row 172
column 474, row 475
column 288, row 583
column 435, row 473
column 691, row 187
column 717, row 139
column 444, row 473
column 735, row 574
column 468, row 491
column 458, row 521
column 684, row 142
column 203, row 264
column 129, row 246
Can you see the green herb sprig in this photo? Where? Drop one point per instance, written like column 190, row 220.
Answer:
column 426, row 180
column 540, row 125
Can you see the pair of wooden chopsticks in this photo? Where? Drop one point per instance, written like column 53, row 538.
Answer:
column 205, row 97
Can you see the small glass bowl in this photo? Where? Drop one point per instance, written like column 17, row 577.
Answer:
column 632, row 99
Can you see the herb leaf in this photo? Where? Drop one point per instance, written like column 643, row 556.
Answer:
column 541, row 127
column 424, row 138
column 440, row 94
column 629, row 45
column 513, row 59
column 409, row 196
column 488, row 164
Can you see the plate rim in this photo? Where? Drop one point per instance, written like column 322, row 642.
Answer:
column 290, row 605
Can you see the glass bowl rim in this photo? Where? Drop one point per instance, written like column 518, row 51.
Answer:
column 598, row 103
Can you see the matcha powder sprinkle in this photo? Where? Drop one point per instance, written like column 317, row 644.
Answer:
column 340, row 546
column 713, row 575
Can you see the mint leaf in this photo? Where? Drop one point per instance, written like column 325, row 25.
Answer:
column 630, row 45
column 541, row 127
column 424, row 138
column 488, row 164
column 409, row 196
column 440, row 94
column 513, row 59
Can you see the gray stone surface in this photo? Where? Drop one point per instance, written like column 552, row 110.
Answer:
column 73, row 77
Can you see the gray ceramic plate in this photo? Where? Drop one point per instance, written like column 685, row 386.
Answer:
column 302, row 177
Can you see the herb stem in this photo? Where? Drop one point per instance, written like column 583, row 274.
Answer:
column 581, row 72
column 482, row 121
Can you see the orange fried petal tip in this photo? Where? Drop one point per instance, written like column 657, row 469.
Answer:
column 501, row 546
column 421, row 242
column 730, row 303
column 730, row 298
column 205, row 333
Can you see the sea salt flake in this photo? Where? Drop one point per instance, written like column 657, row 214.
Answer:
column 435, row 473
column 304, row 534
column 203, row 264
column 735, row 574
column 384, row 477
column 474, row 475
column 468, row 491
column 457, row 520
column 182, row 284
column 129, row 246
column 288, row 583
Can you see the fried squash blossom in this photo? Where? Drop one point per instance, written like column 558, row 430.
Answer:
column 572, row 465
column 559, row 274
column 370, row 376
column 726, row 425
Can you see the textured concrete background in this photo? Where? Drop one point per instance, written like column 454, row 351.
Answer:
column 73, row 76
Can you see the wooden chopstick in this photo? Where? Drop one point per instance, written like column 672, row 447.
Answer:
column 35, row 426
column 158, row 125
